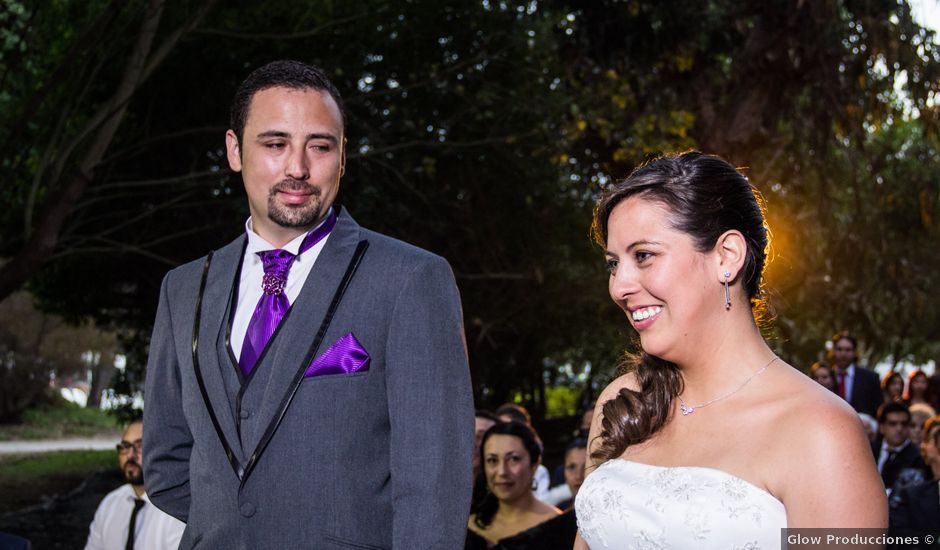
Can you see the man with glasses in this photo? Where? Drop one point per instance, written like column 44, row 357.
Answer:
column 856, row 384
column 125, row 518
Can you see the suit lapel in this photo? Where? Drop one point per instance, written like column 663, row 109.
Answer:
column 215, row 301
column 301, row 325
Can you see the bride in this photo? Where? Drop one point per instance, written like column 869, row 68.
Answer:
column 709, row 440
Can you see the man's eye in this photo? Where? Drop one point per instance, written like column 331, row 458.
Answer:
column 274, row 145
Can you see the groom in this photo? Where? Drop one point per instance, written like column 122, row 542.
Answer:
column 307, row 385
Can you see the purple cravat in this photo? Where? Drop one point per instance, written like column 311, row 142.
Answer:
column 274, row 303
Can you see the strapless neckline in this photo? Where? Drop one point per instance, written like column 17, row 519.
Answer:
column 628, row 505
column 707, row 469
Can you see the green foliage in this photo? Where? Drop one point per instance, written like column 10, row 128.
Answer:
column 60, row 419
column 562, row 401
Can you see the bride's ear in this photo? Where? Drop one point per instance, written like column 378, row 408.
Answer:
column 730, row 253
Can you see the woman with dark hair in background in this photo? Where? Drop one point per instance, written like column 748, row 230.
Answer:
column 893, row 387
column 510, row 517
column 708, row 439
column 822, row 373
column 917, row 387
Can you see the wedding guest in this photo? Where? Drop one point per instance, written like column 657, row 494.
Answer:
column 511, row 517
column 126, row 518
column 572, row 472
column 511, row 412
column 575, row 462
column 894, row 452
column 917, row 388
column 892, row 385
column 856, row 384
column 920, row 413
column 482, row 421
column 822, row 373
column 915, row 510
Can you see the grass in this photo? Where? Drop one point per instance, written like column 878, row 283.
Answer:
column 60, row 420
column 25, row 479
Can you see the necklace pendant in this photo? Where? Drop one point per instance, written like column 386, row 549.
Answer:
column 686, row 409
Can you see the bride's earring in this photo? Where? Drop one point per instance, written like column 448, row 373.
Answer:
column 727, row 291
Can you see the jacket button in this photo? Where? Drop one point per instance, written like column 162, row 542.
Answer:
column 244, row 413
column 247, row 509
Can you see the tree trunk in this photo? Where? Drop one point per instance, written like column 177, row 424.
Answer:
column 44, row 238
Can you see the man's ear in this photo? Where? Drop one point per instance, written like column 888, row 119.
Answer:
column 730, row 254
column 233, row 151
column 342, row 158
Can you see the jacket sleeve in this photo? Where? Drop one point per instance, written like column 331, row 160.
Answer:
column 430, row 412
column 167, row 441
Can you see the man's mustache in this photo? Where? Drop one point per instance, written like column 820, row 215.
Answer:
column 295, row 186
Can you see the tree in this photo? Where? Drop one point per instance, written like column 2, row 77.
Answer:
column 483, row 131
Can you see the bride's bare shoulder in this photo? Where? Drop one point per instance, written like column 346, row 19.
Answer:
column 624, row 381
column 627, row 381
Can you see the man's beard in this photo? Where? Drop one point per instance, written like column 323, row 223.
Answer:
column 294, row 216
column 134, row 477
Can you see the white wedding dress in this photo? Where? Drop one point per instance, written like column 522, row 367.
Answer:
column 626, row 505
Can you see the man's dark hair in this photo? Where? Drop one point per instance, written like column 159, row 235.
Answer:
column 892, row 407
column 516, row 412
column 577, row 443
column 483, row 413
column 293, row 75
column 844, row 335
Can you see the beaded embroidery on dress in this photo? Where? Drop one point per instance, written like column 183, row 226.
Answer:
column 626, row 505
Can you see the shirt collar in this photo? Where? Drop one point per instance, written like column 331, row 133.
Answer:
column 885, row 448
column 257, row 243
column 131, row 495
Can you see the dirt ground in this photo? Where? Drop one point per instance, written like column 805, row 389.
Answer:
column 59, row 522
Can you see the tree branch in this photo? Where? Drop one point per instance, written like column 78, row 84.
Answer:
column 43, row 240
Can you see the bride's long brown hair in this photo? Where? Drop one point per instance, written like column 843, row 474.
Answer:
column 706, row 197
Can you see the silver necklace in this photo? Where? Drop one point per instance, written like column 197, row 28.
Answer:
column 688, row 409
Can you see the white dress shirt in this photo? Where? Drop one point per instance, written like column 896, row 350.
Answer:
column 849, row 382
column 542, row 480
column 249, row 287
column 155, row 530
column 886, row 450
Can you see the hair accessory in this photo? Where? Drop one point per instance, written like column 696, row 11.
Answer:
column 727, row 291
column 688, row 409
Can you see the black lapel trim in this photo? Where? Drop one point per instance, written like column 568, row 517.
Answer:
column 232, row 308
column 311, row 353
column 198, row 371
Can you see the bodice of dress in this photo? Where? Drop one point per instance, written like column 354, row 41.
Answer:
column 628, row 505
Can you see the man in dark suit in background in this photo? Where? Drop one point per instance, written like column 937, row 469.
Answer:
column 896, row 457
column 915, row 510
column 856, row 384
column 307, row 385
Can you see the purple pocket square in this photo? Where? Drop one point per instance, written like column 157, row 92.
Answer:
column 345, row 356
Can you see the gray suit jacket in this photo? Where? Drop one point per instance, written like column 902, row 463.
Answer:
column 374, row 459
